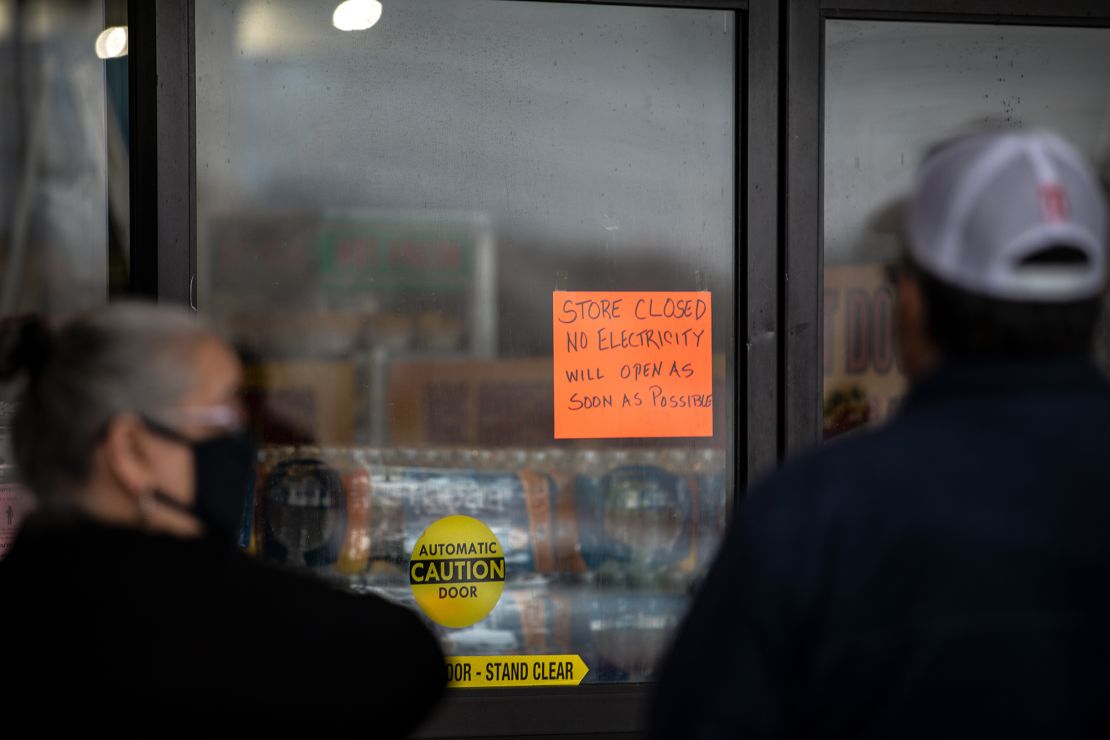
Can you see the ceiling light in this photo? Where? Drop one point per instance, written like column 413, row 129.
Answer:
column 356, row 15
column 112, row 42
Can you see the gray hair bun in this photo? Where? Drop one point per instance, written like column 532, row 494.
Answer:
column 25, row 348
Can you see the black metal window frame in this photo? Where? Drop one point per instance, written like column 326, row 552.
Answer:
column 161, row 89
column 778, row 251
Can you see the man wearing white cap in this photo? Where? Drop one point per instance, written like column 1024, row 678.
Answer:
column 947, row 575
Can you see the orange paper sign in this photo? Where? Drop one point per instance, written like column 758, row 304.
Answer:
column 632, row 364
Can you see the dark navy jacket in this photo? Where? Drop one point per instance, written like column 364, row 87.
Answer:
column 945, row 576
column 113, row 632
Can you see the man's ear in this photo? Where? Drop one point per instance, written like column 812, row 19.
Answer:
column 126, row 456
column 914, row 341
column 910, row 304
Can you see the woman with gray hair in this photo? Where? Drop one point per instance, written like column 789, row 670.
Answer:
column 125, row 605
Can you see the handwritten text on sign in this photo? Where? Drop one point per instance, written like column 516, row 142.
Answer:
column 632, row 364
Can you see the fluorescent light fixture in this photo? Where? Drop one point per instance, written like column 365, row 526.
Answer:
column 356, row 15
column 112, row 42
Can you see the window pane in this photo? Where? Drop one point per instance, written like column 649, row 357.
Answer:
column 892, row 91
column 62, row 141
column 383, row 216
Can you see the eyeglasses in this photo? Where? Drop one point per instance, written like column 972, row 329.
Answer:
column 224, row 417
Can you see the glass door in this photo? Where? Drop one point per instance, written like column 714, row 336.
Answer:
column 481, row 257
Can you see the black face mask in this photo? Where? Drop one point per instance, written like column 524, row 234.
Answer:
column 223, row 467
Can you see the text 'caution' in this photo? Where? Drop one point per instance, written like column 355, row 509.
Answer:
column 457, row 571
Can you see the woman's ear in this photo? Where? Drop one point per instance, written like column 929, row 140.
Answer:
column 126, row 457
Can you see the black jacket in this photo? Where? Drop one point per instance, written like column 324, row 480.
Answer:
column 108, row 630
column 946, row 576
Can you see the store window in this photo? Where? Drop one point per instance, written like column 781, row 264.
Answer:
column 63, row 176
column 63, row 155
column 397, row 225
column 892, row 91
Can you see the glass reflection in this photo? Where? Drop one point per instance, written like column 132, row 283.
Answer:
column 892, row 91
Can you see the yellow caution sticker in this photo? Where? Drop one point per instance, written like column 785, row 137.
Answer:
column 457, row 571
column 498, row 671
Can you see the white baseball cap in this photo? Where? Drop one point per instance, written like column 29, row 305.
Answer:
column 986, row 206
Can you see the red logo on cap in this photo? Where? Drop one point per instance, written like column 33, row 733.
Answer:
column 1054, row 202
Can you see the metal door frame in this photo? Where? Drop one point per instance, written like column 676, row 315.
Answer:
column 163, row 172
